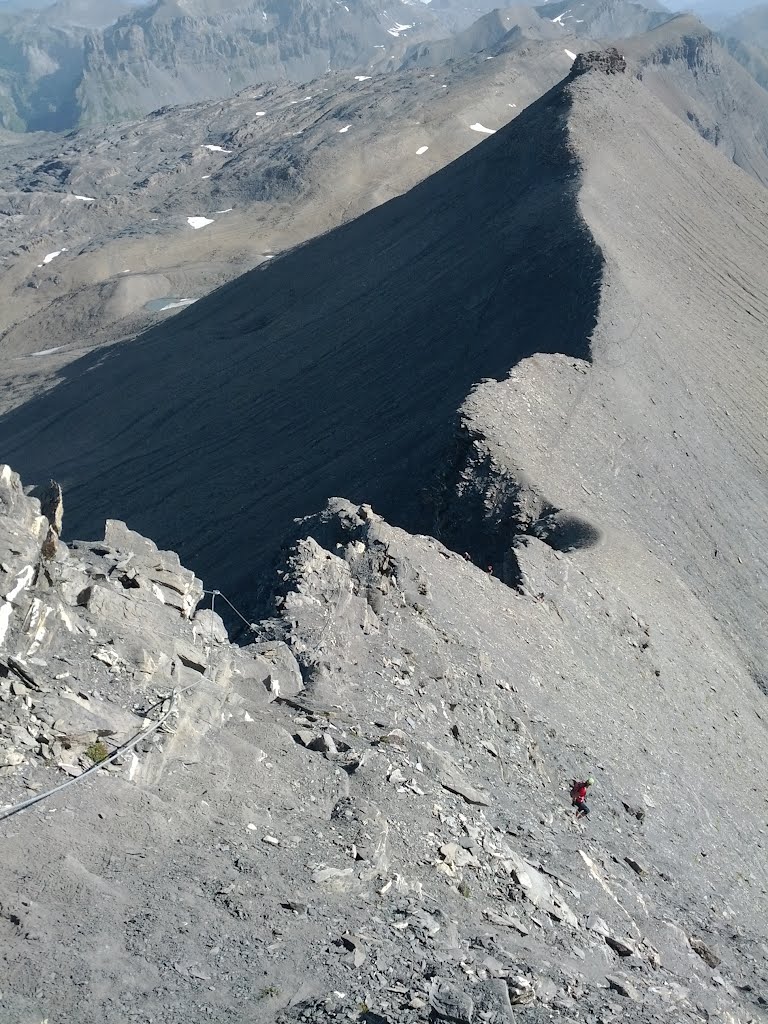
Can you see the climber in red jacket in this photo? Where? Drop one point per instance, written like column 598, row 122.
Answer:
column 579, row 792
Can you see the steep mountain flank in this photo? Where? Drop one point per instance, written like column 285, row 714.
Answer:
column 685, row 65
column 409, row 306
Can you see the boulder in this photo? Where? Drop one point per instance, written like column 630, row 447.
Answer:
column 452, row 778
column 180, row 587
column 623, row 986
column 708, row 955
column 51, row 504
column 539, row 890
column 208, row 627
column 492, row 1000
column 19, row 513
column 10, row 758
column 624, row 947
column 190, row 656
column 455, row 783
column 282, row 665
column 450, row 1003
column 80, row 721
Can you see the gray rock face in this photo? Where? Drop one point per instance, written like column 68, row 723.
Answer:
column 166, row 55
column 52, row 505
column 85, row 631
column 324, row 831
column 608, row 62
column 450, row 1003
column 623, row 986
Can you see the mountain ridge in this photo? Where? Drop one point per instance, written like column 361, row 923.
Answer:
column 484, row 313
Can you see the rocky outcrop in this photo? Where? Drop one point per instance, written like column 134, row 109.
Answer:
column 685, row 40
column 94, row 635
column 608, row 61
column 486, row 505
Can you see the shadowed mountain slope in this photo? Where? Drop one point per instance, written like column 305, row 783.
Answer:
column 267, row 169
column 340, row 368
column 277, row 165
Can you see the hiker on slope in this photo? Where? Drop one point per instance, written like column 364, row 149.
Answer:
column 579, row 792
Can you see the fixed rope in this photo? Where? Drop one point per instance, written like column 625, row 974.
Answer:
column 143, row 734
column 213, row 594
column 124, row 748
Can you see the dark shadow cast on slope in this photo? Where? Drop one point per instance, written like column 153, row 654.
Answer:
column 336, row 370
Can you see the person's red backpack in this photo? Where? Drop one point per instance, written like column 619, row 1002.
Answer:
column 576, row 788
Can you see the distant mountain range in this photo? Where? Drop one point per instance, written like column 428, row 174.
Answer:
column 168, row 53
column 85, row 62
column 605, row 19
column 79, row 62
column 745, row 36
column 41, row 61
